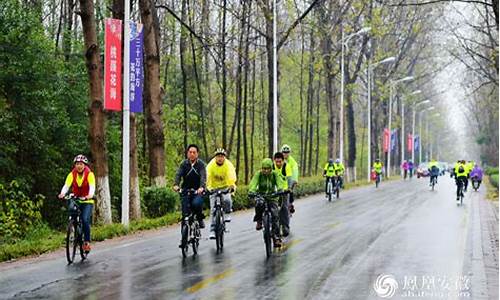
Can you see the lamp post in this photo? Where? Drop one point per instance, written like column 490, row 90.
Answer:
column 126, row 117
column 391, row 87
column 369, row 71
column 420, row 132
column 413, row 127
column 344, row 42
column 403, row 128
column 275, row 83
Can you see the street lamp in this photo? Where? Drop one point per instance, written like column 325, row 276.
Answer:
column 275, row 83
column 413, row 127
column 420, row 133
column 369, row 71
column 391, row 87
column 344, row 42
column 403, row 128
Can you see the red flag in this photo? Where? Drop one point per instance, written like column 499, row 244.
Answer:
column 113, row 65
column 409, row 142
column 386, row 139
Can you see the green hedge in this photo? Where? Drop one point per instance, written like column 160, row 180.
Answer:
column 157, row 202
column 494, row 180
column 491, row 170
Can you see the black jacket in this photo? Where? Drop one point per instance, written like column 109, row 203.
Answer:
column 193, row 176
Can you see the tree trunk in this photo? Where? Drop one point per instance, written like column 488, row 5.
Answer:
column 182, row 52
column 97, row 136
column 153, row 101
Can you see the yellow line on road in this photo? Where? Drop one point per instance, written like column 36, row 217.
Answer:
column 333, row 225
column 287, row 246
column 204, row 283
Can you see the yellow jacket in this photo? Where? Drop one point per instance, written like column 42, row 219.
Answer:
column 219, row 177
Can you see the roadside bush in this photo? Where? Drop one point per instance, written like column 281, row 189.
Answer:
column 157, row 202
column 494, row 180
column 18, row 213
column 491, row 170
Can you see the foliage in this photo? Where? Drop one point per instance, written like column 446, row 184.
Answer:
column 18, row 213
column 158, row 202
column 494, row 180
column 491, row 170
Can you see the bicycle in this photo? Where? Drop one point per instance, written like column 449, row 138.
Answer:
column 218, row 214
column 267, row 218
column 377, row 179
column 475, row 183
column 336, row 186
column 190, row 229
column 460, row 192
column 433, row 181
column 74, row 231
column 329, row 188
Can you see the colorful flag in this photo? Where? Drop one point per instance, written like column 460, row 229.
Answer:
column 113, row 64
column 394, row 136
column 386, row 139
column 409, row 142
column 417, row 142
column 136, row 67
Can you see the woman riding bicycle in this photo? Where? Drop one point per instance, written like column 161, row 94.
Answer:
column 82, row 182
column 264, row 182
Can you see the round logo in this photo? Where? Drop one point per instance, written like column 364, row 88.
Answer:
column 385, row 286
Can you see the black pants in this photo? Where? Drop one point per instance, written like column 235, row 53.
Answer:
column 284, row 214
column 273, row 206
column 460, row 181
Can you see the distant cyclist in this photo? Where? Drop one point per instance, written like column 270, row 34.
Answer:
column 220, row 175
column 285, row 172
column 339, row 171
column 81, row 180
column 433, row 169
column 377, row 167
column 460, row 177
column 294, row 179
column 328, row 172
column 477, row 175
column 193, row 174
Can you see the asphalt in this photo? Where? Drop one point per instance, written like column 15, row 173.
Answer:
column 401, row 241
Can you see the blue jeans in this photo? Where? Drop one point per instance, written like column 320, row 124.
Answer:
column 192, row 202
column 86, row 217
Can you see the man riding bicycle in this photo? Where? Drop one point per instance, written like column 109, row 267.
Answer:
column 328, row 172
column 433, row 171
column 193, row 173
column 460, row 177
column 377, row 167
column 477, row 174
column 266, row 181
column 220, row 175
column 294, row 179
column 82, row 182
column 285, row 172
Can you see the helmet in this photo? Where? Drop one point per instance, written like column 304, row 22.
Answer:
column 267, row 163
column 377, row 159
column 285, row 148
column 81, row 158
column 330, row 161
column 337, row 160
column 220, row 151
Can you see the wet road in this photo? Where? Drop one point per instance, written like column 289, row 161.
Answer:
column 336, row 251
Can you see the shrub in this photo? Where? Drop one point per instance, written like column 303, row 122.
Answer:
column 158, row 202
column 491, row 170
column 494, row 180
column 18, row 213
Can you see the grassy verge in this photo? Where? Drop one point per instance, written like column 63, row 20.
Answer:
column 42, row 239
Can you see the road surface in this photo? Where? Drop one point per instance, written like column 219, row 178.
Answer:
column 401, row 241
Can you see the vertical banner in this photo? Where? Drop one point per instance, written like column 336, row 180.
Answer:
column 136, row 67
column 113, row 64
column 386, row 140
column 417, row 142
column 394, row 136
column 409, row 142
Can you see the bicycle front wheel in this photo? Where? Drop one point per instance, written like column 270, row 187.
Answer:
column 71, row 242
column 79, row 238
column 267, row 233
column 219, row 229
column 184, row 239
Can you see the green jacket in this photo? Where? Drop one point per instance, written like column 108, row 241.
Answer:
column 295, row 168
column 266, row 184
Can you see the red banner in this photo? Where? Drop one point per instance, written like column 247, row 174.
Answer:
column 386, row 139
column 409, row 142
column 113, row 65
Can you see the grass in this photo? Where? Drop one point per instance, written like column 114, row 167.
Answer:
column 42, row 239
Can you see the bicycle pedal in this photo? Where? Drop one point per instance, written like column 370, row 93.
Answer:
column 227, row 221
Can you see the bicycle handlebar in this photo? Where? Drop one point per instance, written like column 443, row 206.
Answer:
column 268, row 195
column 221, row 191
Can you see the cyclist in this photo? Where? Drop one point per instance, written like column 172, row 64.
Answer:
column 294, row 179
column 460, row 176
column 220, row 175
column 404, row 167
column 477, row 174
column 266, row 181
column 328, row 172
column 433, row 171
column 284, row 171
column 339, row 171
column 81, row 180
column 377, row 167
column 193, row 173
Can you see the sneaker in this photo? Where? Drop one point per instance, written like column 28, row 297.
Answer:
column 277, row 243
column 227, row 218
column 212, row 235
column 201, row 223
column 86, row 247
column 259, row 225
column 291, row 208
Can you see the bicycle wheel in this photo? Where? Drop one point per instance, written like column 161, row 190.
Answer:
column 267, row 233
column 71, row 242
column 219, row 229
column 196, row 238
column 337, row 187
column 330, row 188
column 184, row 239
column 79, row 237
